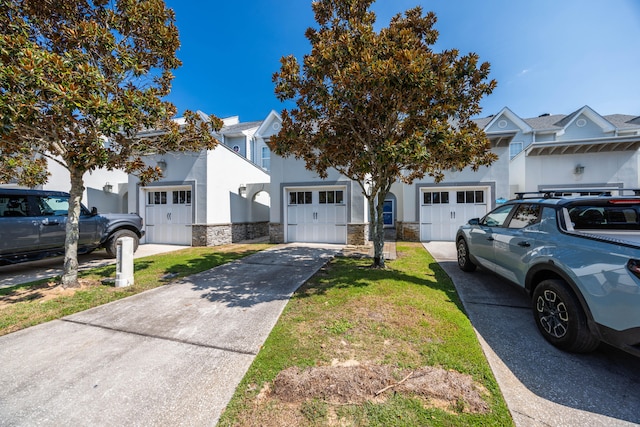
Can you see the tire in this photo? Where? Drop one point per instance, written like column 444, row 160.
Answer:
column 560, row 318
column 112, row 242
column 464, row 262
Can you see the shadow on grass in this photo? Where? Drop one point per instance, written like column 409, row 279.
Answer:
column 352, row 273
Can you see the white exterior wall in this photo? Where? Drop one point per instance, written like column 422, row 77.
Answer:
column 599, row 168
column 182, row 169
column 216, row 176
column 495, row 175
column 517, row 174
column 289, row 172
column 94, row 182
column 227, row 171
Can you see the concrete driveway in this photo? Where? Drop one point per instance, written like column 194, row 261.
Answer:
column 170, row 356
column 542, row 385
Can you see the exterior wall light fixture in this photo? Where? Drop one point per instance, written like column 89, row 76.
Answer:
column 579, row 170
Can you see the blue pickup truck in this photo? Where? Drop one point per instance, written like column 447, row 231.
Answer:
column 33, row 226
column 577, row 256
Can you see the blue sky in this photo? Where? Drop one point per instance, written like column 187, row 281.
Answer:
column 548, row 56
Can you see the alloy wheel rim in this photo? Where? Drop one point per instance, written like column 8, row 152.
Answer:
column 553, row 314
column 462, row 254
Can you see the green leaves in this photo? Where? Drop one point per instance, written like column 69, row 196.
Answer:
column 74, row 72
column 381, row 107
column 385, row 94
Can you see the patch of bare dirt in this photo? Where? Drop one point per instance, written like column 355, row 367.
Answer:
column 44, row 292
column 355, row 384
column 293, row 391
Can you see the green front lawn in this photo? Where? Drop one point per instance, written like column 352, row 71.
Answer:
column 353, row 331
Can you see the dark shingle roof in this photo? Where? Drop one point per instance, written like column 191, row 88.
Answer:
column 624, row 121
column 552, row 121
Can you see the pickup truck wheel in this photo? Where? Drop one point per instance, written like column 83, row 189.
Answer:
column 464, row 262
column 560, row 318
column 112, row 243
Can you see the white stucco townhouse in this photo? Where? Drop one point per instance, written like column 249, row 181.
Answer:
column 581, row 150
column 205, row 198
column 240, row 190
column 209, row 197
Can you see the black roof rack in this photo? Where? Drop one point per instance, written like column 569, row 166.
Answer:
column 559, row 192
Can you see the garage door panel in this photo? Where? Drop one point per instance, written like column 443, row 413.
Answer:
column 443, row 211
column 317, row 216
column 168, row 216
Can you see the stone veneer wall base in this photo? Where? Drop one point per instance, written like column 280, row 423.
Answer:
column 276, row 233
column 222, row 234
column 408, row 231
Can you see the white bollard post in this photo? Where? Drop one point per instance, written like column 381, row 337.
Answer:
column 124, row 262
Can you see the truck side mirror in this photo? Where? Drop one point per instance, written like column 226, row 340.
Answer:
column 474, row 221
column 94, row 211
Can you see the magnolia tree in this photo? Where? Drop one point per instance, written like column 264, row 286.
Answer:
column 381, row 106
column 79, row 80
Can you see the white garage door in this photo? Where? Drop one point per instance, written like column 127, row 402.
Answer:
column 168, row 216
column 317, row 215
column 442, row 211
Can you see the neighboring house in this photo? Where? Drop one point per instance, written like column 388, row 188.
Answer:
column 205, row 198
column 580, row 150
column 209, row 197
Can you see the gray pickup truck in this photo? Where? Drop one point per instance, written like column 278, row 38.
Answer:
column 33, row 226
column 577, row 256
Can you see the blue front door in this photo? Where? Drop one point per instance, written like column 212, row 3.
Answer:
column 387, row 213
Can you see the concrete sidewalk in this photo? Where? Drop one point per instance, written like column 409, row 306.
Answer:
column 170, row 356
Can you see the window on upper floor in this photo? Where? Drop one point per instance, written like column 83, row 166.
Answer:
column 514, row 149
column 265, row 161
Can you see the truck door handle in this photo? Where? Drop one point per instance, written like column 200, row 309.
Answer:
column 524, row 244
column 49, row 222
column 491, row 239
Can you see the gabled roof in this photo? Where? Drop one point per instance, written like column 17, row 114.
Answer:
column 507, row 113
column 272, row 118
column 604, row 124
column 609, row 140
column 557, row 123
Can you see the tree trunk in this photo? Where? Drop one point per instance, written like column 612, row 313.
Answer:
column 376, row 224
column 70, row 276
